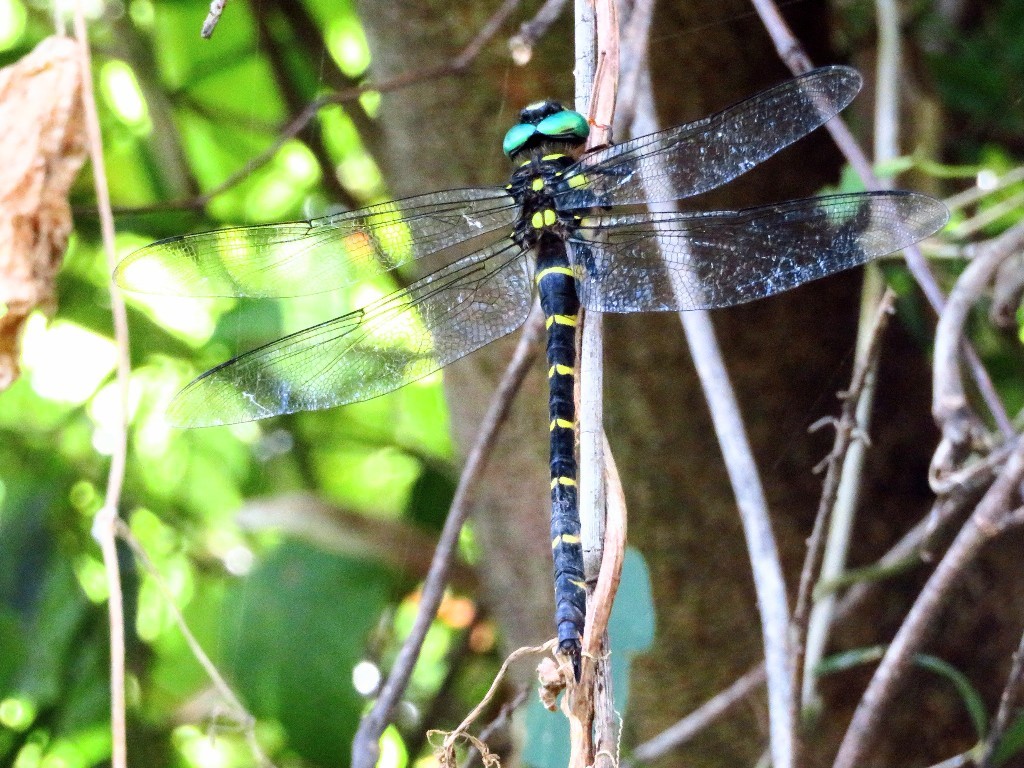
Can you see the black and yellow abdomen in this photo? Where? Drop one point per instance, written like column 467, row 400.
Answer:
column 558, row 299
column 542, row 230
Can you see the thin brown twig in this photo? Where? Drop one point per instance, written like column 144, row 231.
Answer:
column 981, row 527
column 365, row 747
column 705, row 715
column 812, row 637
column 595, row 636
column 500, row 720
column 636, row 35
column 446, row 752
column 793, row 55
column 845, row 437
column 844, row 508
column 453, row 68
column 236, row 710
column 105, row 520
column 521, row 44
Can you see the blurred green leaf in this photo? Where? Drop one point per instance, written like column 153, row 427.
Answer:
column 968, row 693
column 1012, row 743
column 303, row 617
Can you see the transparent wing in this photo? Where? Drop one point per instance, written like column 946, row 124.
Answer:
column 671, row 261
column 363, row 354
column 696, row 157
column 307, row 257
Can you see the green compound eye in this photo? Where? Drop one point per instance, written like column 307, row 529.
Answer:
column 516, row 137
column 564, row 124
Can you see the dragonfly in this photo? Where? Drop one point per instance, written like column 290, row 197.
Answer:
column 571, row 228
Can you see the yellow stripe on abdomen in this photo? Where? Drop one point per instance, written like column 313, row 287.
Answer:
column 561, row 320
column 554, row 271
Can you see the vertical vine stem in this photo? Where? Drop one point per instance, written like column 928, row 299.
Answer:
column 811, row 643
column 769, row 583
column 104, row 528
column 750, row 499
column 593, row 724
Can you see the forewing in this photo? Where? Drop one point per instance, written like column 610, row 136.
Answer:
column 699, row 156
column 307, row 257
column 670, row 261
column 383, row 346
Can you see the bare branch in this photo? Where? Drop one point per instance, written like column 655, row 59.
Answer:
column 744, row 477
column 530, row 32
column 753, row 508
column 707, row 713
column 844, row 440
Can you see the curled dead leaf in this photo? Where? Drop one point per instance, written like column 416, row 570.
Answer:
column 42, row 148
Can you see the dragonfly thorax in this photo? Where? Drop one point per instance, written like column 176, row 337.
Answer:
column 533, row 186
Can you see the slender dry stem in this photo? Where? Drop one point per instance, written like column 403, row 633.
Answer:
column 590, row 703
column 744, row 478
column 103, row 529
column 847, row 430
column 694, row 723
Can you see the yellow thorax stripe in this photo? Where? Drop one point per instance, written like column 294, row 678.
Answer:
column 577, row 180
column 554, row 156
column 561, row 370
column 543, row 218
column 563, row 423
column 537, row 184
column 554, row 270
column 562, row 481
column 564, row 538
column 561, row 320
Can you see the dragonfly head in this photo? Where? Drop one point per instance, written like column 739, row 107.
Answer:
column 546, row 123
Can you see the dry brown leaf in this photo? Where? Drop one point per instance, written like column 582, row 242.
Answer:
column 42, row 148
